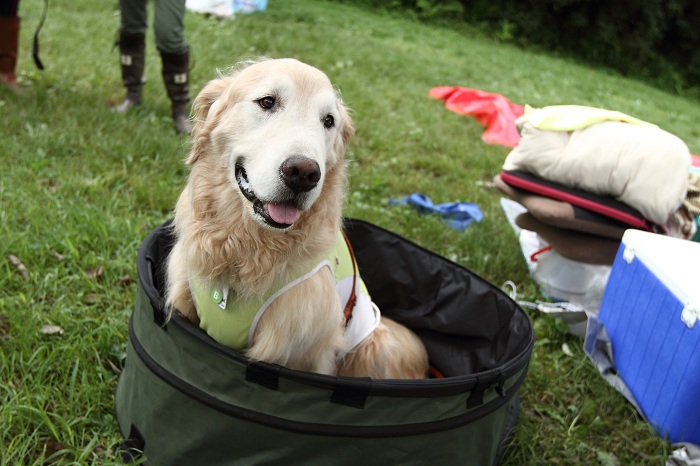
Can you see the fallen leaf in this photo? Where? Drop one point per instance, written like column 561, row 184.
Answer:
column 101, row 449
column 4, row 326
column 125, row 281
column 113, row 367
column 607, row 459
column 57, row 255
column 54, row 447
column 567, row 351
column 50, row 183
column 49, row 329
column 14, row 260
column 96, row 273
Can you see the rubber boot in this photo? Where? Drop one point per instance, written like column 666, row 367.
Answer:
column 176, row 76
column 132, row 56
column 9, row 35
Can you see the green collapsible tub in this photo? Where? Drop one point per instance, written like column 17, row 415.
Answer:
column 183, row 399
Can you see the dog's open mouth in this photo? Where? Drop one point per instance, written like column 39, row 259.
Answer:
column 277, row 215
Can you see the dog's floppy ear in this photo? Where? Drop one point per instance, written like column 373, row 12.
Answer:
column 206, row 106
column 346, row 130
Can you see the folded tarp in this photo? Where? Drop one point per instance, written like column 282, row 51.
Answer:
column 493, row 111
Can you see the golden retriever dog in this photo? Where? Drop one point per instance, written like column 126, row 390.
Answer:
column 260, row 261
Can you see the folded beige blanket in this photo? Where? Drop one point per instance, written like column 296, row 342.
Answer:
column 641, row 165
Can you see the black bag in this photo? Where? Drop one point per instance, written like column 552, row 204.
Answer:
column 183, row 399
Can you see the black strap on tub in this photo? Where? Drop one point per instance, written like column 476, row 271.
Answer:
column 476, row 398
column 352, row 392
column 267, row 375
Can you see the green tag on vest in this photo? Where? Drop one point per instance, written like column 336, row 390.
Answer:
column 217, row 295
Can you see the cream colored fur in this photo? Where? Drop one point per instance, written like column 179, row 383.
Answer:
column 223, row 242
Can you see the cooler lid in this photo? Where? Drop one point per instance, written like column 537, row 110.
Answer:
column 673, row 261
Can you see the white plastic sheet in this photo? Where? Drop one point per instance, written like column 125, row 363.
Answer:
column 218, row 8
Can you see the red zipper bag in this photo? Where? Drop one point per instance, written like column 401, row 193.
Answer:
column 603, row 205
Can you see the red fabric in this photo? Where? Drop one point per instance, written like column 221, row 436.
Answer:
column 493, row 111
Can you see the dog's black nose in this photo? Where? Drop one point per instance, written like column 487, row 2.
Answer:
column 300, row 174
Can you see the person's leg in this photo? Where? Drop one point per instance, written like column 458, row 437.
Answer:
column 9, row 42
column 133, row 17
column 174, row 52
column 169, row 26
column 132, row 50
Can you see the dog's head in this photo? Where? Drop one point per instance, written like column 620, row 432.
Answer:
column 277, row 127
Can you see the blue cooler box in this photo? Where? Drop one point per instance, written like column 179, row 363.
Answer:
column 650, row 310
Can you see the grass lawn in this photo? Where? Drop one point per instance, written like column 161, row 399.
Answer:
column 81, row 187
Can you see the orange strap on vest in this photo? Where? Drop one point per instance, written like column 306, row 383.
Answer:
column 350, row 305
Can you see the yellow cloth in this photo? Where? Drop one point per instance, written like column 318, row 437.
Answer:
column 573, row 117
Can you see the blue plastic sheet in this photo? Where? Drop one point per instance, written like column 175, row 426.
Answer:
column 458, row 215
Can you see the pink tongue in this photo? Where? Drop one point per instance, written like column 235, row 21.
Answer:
column 283, row 213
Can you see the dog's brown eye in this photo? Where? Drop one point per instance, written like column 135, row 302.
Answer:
column 267, row 102
column 328, row 121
